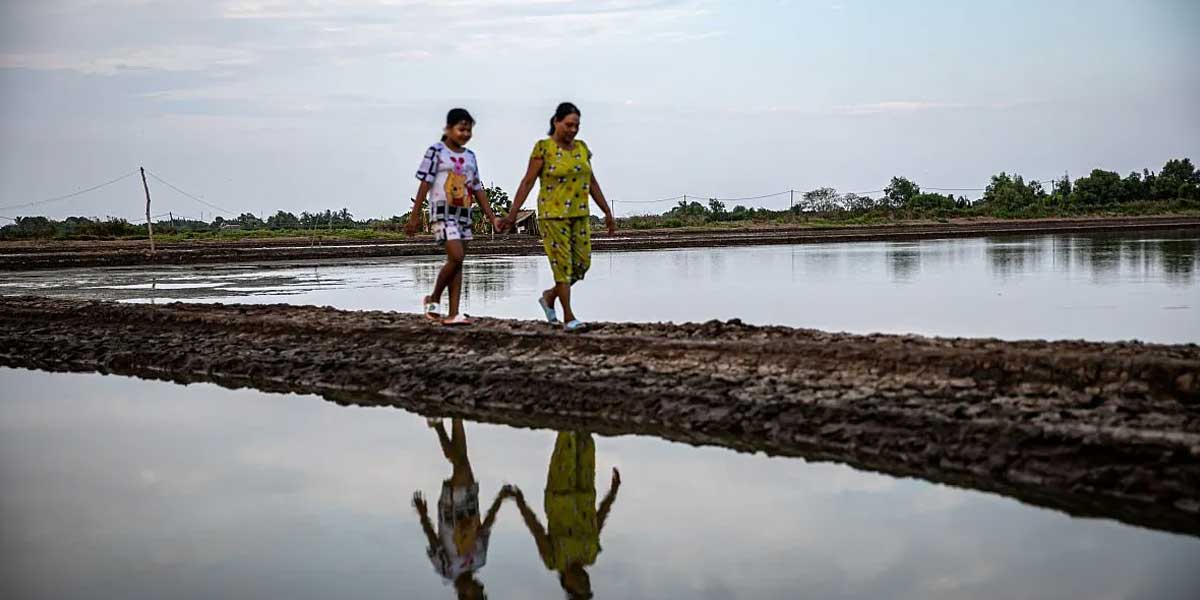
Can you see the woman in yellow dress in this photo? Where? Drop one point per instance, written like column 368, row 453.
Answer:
column 564, row 166
column 571, row 542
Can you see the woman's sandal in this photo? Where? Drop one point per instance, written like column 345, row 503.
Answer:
column 457, row 321
column 433, row 311
column 551, row 318
column 575, row 326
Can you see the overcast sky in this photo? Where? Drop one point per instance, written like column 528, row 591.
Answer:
column 259, row 105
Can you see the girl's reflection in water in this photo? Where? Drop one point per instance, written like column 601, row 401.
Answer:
column 459, row 546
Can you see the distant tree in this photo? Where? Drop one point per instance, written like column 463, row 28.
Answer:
column 1174, row 175
column 1099, row 188
column 930, row 201
column 1060, row 190
column 688, row 209
column 499, row 200
column 821, row 200
column 249, row 221
column 283, row 220
column 34, row 227
column 856, row 203
column 1011, row 193
column 900, row 192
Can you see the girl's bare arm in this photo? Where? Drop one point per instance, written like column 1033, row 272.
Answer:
column 414, row 216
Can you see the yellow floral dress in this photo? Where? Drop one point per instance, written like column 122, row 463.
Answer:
column 566, row 180
column 571, row 503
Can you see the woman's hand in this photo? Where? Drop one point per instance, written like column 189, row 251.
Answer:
column 611, row 223
column 411, row 227
column 418, row 502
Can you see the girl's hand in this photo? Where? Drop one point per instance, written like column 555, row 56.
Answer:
column 497, row 223
column 611, row 223
column 411, row 227
column 418, row 502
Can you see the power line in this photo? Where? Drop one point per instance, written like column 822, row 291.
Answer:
column 71, row 195
column 204, row 202
column 651, row 201
column 745, row 198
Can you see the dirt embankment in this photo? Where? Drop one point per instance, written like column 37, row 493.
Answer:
column 19, row 256
column 1101, row 429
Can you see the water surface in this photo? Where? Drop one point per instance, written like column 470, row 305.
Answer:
column 122, row 488
column 113, row 487
column 1097, row 286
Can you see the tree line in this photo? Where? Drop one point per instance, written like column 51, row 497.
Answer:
column 1174, row 187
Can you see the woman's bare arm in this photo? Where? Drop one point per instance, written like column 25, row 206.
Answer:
column 531, row 175
column 598, row 196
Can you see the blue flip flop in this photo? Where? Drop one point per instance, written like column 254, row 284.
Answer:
column 575, row 326
column 551, row 318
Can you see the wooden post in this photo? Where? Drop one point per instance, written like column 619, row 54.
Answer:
column 791, row 199
column 149, row 225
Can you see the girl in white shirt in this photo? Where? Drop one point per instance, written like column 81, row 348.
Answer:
column 449, row 176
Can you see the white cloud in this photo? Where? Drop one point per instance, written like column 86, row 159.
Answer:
column 894, row 106
column 172, row 58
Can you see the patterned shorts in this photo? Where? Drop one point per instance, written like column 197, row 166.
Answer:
column 568, row 244
column 451, row 229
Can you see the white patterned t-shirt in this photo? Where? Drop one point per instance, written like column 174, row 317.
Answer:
column 453, row 179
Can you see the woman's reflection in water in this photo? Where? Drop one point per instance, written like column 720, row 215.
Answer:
column 572, row 540
column 459, row 546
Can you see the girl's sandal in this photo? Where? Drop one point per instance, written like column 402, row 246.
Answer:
column 457, row 321
column 551, row 318
column 575, row 326
column 433, row 311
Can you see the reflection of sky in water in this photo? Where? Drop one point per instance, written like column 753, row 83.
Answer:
column 1100, row 287
column 115, row 487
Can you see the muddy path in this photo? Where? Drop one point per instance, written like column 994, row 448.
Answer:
column 20, row 256
column 1097, row 429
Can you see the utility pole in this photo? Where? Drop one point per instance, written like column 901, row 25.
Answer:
column 149, row 225
column 791, row 199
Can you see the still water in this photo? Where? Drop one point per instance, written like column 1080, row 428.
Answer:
column 113, row 487
column 1097, row 287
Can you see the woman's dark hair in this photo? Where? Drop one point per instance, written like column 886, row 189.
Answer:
column 560, row 113
column 456, row 116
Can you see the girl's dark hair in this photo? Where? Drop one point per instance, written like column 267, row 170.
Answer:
column 456, row 116
column 560, row 113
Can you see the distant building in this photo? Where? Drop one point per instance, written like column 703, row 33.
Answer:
column 527, row 223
